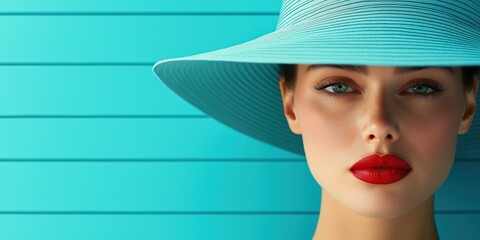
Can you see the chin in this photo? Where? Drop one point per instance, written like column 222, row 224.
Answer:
column 382, row 207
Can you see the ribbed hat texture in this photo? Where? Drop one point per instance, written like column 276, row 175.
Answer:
column 238, row 85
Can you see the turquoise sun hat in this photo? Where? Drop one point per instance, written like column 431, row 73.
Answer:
column 238, row 85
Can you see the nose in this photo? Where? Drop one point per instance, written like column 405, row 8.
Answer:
column 388, row 137
column 380, row 121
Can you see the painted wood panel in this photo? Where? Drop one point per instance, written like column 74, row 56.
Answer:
column 140, row 6
column 177, row 138
column 122, row 39
column 87, row 90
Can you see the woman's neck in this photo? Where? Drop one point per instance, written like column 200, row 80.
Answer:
column 337, row 222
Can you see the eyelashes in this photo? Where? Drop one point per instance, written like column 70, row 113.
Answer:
column 340, row 87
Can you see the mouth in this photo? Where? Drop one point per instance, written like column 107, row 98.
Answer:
column 378, row 169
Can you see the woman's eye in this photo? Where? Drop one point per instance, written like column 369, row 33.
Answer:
column 339, row 88
column 425, row 89
column 420, row 89
column 334, row 87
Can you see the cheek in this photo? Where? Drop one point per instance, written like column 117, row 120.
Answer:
column 433, row 136
column 430, row 142
column 323, row 129
column 327, row 134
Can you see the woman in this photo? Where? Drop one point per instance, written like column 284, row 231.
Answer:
column 373, row 93
column 346, row 113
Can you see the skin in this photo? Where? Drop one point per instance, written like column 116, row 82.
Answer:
column 381, row 113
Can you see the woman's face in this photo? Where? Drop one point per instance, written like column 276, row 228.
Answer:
column 346, row 114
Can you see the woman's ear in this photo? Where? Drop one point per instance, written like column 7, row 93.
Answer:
column 289, row 111
column 470, row 106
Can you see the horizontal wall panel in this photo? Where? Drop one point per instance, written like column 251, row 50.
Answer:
column 87, row 90
column 171, row 186
column 93, row 39
column 457, row 226
column 93, row 6
column 178, row 138
column 189, row 187
column 460, row 191
column 120, row 227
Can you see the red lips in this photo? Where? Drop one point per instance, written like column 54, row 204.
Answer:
column 378, row 169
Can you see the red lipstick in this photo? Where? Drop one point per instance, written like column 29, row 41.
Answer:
column 378, row 169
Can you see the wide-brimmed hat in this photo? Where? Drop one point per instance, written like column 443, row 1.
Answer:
column 239, row 87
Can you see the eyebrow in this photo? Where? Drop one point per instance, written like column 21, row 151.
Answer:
column 363, row 69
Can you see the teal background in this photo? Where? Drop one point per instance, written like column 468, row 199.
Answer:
column 94, row 146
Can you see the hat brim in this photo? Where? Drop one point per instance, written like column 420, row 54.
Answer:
column 239, row 85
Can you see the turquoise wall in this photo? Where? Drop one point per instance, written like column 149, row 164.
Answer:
column 94, row 146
